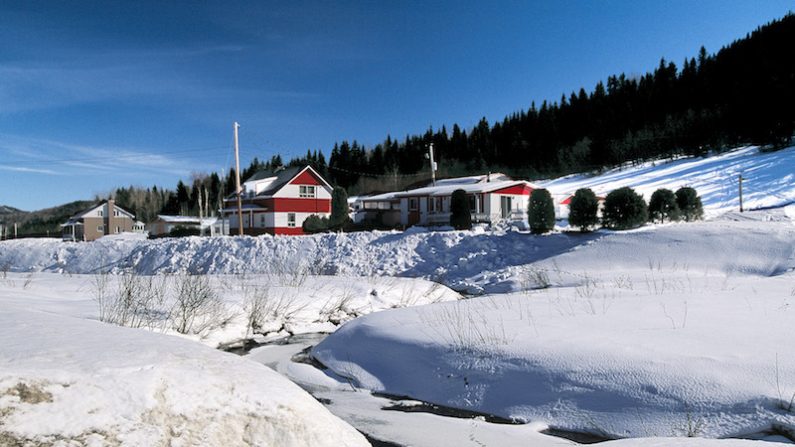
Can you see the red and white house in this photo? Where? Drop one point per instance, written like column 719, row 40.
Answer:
column 279, row 202
column 492, row 198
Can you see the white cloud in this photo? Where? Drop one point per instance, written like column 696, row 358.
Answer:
column 30, row 170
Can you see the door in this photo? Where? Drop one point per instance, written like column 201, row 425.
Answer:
column 506, row 206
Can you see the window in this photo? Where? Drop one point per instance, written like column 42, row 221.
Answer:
column 101, row 228
column 306, row 191
column 101, row 213
column 116, row 213
column 290, row 219
column 118, row 230
column 262, row 220
column 413, row 204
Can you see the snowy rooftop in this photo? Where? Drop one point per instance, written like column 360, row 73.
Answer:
column 186, row 219
column 445, row 187
column 470, row 188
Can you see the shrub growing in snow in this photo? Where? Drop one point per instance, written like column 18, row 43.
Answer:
column 583, row 208
column 339, row 209
column 315, row 224
column 460, row 219
column 541, row 212
column 624, row 209
column 689, row 203
column 663, row 206
column 183, row 231
column 197, row 306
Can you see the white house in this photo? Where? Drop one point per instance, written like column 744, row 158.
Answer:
column 209, row 226
column 492, row 198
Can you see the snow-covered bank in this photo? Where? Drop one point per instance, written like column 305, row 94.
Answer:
column 241, row 306
column 69, row 381
column 471, row 261
column 675, row 330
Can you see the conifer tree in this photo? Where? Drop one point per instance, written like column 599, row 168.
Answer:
column 583, row 209
column 663, row 206
column 541, row 212
column 460, row 217
column 624, row 209
column 339, row 209
column 689, row 203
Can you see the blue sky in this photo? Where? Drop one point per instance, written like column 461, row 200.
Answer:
column 106, row 94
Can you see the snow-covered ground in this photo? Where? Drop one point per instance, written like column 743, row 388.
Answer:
column 68, row 381
column 670, row 330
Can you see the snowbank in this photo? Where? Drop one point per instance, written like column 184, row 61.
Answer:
column 71, row 380
column 243, row 307
column 464, row 260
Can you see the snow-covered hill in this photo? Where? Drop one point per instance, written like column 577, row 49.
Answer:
column 769, row 179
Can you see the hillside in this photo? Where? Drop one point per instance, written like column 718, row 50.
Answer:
column 768, row 179
column 7, row 210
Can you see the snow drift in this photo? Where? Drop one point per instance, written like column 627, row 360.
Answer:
column 72, row 380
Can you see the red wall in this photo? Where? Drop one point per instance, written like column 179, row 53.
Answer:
column 291, row 231
column 296, row 205
column 521, row 190
column 306, row 178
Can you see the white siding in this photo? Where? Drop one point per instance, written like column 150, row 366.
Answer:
column 280, row 219
column 292, row 191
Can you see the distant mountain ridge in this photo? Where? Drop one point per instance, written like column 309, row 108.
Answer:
column 5, row 210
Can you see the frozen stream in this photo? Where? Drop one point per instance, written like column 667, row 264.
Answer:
column 390, row 421
column 366, row 413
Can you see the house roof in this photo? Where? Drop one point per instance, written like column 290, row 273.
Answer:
column 269, row 182
column 81, row 214
column 445, row 187
column 469, row 188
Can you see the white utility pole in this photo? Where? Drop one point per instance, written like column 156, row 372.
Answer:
column 433, row 164
column 237, row 183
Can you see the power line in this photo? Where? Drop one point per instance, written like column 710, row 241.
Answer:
column 370, row 174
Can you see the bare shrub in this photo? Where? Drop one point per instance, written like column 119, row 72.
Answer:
column 138, row 301
column 99, row 285
column 197, row 306
column 28, row 281
column 535, row 278
column 255, row 305
column 468, row 330
column 783, row 403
